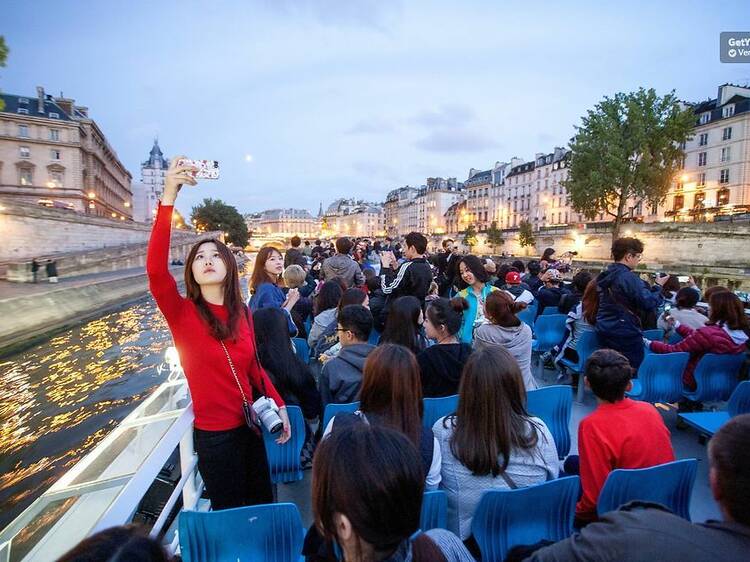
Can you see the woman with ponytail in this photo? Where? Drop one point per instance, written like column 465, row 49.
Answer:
column 507, row 331
column 441, row 365
column 372, row 508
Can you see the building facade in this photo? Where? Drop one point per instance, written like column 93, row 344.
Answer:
column 432, row 202
column 147, row 193
column 53, row 154
column 359, row 219
column 400, row 212
column 286, row 223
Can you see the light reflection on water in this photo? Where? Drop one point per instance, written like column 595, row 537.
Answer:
column 60, row 398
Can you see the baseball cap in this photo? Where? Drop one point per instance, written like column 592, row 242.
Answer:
column 513, row 278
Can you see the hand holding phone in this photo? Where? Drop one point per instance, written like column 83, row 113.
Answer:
column 207, row 169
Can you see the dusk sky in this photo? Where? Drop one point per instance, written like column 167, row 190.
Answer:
column 304, row 101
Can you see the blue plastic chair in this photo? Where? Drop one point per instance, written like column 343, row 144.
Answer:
column 657, row 334
column 586, row 344
column 308, row 324
column 302, row 349
column 284, row 460
column 660, row 378
column 333, row 409
column 716, row 376
column 506, row 518
column 527, row 316
column 708, row 423
column 374, row 337
column 548, row 331
column 434, row 511
column 553, row 404
column 674, row 338
column 271, row 533
column 550, row 310
column 668, row 484
column 436, row 408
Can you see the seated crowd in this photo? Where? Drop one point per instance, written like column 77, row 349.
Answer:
column 386, row 328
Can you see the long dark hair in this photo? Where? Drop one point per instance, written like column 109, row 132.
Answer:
column 260, row 275
column 402, row 324
column 475, row 266
column 380, row 491
column 391, row 388
column 351, row 296
column 547, row 255
column 590, row 303
column 232, row 294
column 328, row 297
column 502, row 309
column 491, row 419
column 118, row 544
column 287, row 371
column 725, row 309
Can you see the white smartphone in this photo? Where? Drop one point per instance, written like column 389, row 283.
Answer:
column 207, row 169
column 683, row 278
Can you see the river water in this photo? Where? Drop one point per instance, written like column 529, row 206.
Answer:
column 61, row 397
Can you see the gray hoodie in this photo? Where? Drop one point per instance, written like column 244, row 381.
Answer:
column 345, row 268
column 341, row 377
column 516, row 340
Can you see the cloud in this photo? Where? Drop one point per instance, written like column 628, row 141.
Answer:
column 374, row 14
column 459, row 139
column 373, row 125
column 375, row 169
column 452, row 115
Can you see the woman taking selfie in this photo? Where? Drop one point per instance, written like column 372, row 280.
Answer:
column 214, row 336
column 264, row 285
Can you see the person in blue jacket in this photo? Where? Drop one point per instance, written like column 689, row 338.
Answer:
column 264, row 285
column 623, row 299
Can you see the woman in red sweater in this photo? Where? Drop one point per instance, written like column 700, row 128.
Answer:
column 727, row 331
column 213, row 333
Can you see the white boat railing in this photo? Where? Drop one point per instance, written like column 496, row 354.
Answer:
column 106, row 486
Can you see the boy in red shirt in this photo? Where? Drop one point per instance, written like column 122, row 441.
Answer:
column 620, row 433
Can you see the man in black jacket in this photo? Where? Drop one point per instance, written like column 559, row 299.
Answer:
column 294, row 255
column 412, row 277
column 643, row 531
column 447, row 267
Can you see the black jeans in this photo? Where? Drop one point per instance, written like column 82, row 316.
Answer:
column 234, row 467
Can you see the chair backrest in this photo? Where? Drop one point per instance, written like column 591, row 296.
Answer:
column 660, row 376
column 436, row 408
column 302, row 349
column 553, row 404
column 669, row 484
column 657, row 334
column 739, row 401
column 716, row 376
column 506, row 518
column 333, row 409
column 587, row 343
column 550, row 310
column 674, row 338
column 527, row 316
column 284, row 460
column 271, row 533
column 434, row 510
column 548, row 330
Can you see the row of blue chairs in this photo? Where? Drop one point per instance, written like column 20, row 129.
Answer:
column 552, row 404
column 503, row 518
column 302, row 349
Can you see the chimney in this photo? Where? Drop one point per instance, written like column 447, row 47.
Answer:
column 66, row 104
column 40, row 99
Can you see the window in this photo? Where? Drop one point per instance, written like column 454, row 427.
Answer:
column 54, row 134
column 703, row 139
column 702, row 179
column 23, row 110
column 56, row 179
column 701, row 158
column 722, row 197
column 23, row 131
column 24, row 152
column 724, row 176
column 700, row 197
column 55, row 154
column 679, row 202
column 54, row 115
column 23, row 101
column 25, row 177
column 705, row 118
column 727, row 111
column 726, row 133
column 726, row 154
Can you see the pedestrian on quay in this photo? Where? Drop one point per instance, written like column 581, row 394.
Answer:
column 34, row 269
column 51, row 269
column 214, row 335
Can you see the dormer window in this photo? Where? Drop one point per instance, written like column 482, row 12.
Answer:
column 727, row 110
column 23, row 110
column 54, row 115
column 23, row 101
column 705, row 117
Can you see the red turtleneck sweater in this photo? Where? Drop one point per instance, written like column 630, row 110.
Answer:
column 217, row 402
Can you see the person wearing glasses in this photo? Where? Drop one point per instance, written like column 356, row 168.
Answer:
column 624, row 298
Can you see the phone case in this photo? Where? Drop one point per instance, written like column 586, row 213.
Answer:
column 207, row 169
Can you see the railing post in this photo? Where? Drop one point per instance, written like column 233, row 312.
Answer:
column 189, row 492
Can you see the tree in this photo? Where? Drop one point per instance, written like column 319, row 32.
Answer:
column 214, row 214
column 470, row 237
column 525, row 234
column 494, row 236
column 3, row 57
column 628, row 148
